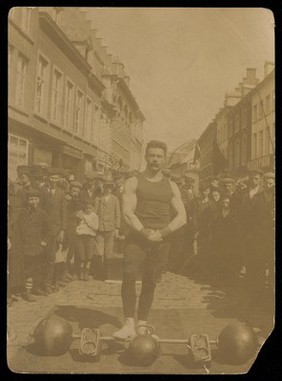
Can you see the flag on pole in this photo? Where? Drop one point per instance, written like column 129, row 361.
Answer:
column 220, row 161
column 197, row 153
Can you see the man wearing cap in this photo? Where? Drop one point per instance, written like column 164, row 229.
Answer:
column 107, row 208
column 88, row 190
column 33, row 229
column 57, row 212
column 191, row 207
column 74, row 204
column 147, row 202
column 24, row 177
column 40, row 175
column 263, row 254
column 251, row 226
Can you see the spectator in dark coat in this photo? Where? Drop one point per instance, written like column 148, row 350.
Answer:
column 24, row 177
column 74, row 204
column 16, row 276
column 224, row 242
column 33, row 229
column 57, row 213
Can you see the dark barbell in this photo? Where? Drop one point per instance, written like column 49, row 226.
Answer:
column 236, row 343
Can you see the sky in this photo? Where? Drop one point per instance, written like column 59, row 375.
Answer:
column 182, row 61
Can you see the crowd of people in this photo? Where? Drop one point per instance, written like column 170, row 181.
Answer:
column 60, row 230
column 229, row 232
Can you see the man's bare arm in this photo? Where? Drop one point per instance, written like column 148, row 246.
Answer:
column 178, row 206
column 129, row 202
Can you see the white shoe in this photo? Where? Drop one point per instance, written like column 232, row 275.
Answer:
column 126, row 332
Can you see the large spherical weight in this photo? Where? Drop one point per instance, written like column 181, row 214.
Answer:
column 143, row 350
column 237, row 343
column 53, row 336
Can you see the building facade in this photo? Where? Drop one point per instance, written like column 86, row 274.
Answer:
column 62, row 110
column 181, row 160
column 263, row 122
column 206, row 143
column 242, row 134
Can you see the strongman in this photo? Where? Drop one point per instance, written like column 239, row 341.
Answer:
column 149, row 199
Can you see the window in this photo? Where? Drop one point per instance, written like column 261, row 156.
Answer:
column 230, row 152
column 261, row 109
column 254, row 146
column 237, row 122
column 25, row 19
column 57, row 92
column 88, row 126
column 244, row 118
column 237, row 153
column 17, row 154
column 260, row 143
column 267, row 104
column 69, row 106
column 78, row 112
column 255, row 113
column 95, row 127
column 42, row 86
column 266, row 141
column 231, row 124
column 244, row 150
column 21, row 79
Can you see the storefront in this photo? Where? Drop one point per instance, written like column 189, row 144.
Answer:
column 72, row 160
column 18, row 149
column 42, row 155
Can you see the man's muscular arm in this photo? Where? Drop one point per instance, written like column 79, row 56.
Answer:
column 178, row 206
column 129, row 202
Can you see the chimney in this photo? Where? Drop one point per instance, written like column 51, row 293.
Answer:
column 250, row 79
column 245, row 88
column 268, row 67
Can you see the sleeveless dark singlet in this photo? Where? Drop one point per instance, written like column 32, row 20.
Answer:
column 153, row 202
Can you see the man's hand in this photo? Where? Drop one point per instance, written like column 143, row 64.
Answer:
column 61, row 236
column 43, row 243
column 155, row 236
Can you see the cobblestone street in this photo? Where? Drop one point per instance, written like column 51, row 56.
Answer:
column 181, row 307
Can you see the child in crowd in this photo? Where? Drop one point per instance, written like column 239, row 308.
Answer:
column 33, row 229
column 86, row 232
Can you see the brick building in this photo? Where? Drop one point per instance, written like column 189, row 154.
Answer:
column 62, row 106
column 241, row 136
column 263, row 121
column 206, row 146
column 240, row 125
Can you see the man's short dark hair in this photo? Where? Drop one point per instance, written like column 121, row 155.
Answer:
column 156, row 144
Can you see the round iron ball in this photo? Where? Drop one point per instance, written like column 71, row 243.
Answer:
column 144, row 350
column 237, row 343
column 53, row 336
